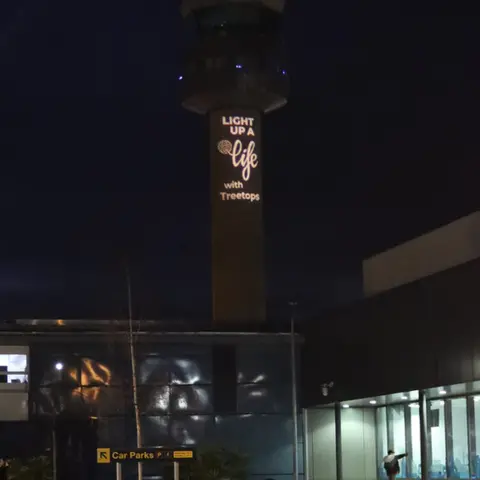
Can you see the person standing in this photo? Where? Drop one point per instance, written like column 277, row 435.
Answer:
column 392, row 465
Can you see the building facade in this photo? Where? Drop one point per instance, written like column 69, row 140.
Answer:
column 405, row 367
column 203, row 389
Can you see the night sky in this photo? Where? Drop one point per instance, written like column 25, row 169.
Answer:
column 379, row 143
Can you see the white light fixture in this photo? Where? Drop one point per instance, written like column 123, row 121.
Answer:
column 373, row 402
column 404, row 397
column 345, row 405
column 441, row 402
column 442, row 392
column 414, row 405
column 59, row 366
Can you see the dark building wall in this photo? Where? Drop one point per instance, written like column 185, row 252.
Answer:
column 23, row 439
column 232, row 395
column 419, row 335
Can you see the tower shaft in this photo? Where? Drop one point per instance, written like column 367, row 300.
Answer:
column 238, row 281
column 234, row 72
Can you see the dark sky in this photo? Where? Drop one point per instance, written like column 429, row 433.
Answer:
column 379, row 143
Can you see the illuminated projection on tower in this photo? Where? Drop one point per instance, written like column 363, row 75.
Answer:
column 236, row 140
column 237, row 225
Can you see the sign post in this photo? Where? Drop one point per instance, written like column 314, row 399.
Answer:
column 177, row 455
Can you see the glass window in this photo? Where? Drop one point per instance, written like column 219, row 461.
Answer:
column 358, row 443
column 397, row 419
column 13, row 368
column 415, row 454
column 476, row 459
column 458, row 457
column 320, row 443
column 436, row 425
column 382, row 439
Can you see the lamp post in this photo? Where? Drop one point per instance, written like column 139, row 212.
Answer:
column 59, row 368
column 293, row 366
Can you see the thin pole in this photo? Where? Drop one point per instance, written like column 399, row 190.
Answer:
column 306, row 445
column 293, row 365
column 54, row 450
column 338, row 441
column 134, row 373
column 176, row 471
column 424, row 460
column 118, row 471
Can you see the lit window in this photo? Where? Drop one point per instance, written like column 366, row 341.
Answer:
column 13, row 368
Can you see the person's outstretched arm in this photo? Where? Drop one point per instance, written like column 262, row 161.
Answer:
column 399, row 457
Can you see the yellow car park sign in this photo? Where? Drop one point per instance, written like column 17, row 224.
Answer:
column 172, row 454
column 182, row 454
column 103, row 455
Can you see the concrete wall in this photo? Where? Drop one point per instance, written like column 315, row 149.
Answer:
column 13, row 406
column 443, row 248
column 358, row 444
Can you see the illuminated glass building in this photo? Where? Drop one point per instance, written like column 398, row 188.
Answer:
column 195, row 388
column 405, row 365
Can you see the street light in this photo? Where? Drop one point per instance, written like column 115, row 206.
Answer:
column 58, row 368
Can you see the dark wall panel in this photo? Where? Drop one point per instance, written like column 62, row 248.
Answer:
column 111, row 431
column 476, row 357
column 222, row 394
column 19, row 439
column 420, row 335
column 266, row 398
column 256, row 364
column 455, row 361
column 177, row 429
column 224, row 362
column 267, row 439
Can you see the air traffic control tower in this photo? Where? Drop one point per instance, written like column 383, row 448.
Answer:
column 234, row 72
